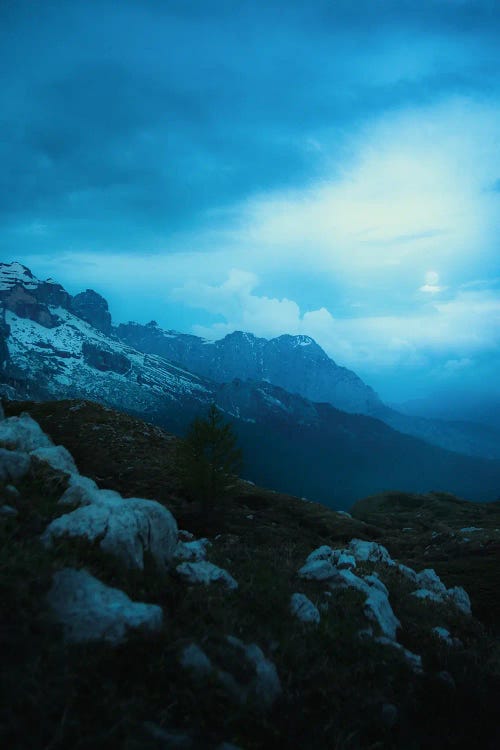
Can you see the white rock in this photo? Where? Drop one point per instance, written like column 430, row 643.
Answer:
column 346, row 578
column 57, row 457
column 413, row 660
column 343, row 513
column 374, row 580
column 317, row 570
column 324, row 553
column 194, row 658
column 193, row 551
column 8, row 510
column 81, row 491
column 408, row 572
column 266, row 687
column 303, row 608
column 185, row 536
column 23, row 434
column 444, row 635
column 205, row 572
column 89, row 610
column 378, row 609
column 426, row 594
column 429, row 579
column 346, row 560
column 370, row 552
column 13, row 464
column 126, row 528
column 460, row 599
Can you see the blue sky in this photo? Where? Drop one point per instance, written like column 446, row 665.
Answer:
column 329, row 168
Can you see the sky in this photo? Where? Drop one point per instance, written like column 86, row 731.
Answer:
column 322, row 168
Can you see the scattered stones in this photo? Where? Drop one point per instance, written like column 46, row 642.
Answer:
column 89, row 610
column 205, row 572
column 303, row 609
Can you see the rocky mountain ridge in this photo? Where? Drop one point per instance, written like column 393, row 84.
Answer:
column 289, row 442
column 299, row 365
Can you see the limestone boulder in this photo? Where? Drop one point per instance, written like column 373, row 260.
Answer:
column 88, row 610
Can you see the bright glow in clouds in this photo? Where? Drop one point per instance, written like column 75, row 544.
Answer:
column 411, row 190
column 431, row 283
column 405, row 196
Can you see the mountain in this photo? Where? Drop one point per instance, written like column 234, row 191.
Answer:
column 296, row 363
column 299, row 365
column 57, row 346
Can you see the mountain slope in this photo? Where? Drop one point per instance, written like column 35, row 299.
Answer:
column 299, row 365
column 295, row 363
column 289, row 442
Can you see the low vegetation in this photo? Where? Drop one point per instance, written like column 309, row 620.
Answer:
column 339, row 690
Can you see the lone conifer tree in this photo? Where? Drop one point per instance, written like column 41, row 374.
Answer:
column 209, row 459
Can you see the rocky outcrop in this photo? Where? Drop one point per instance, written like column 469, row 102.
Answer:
column 93, row 308
column 26, row 305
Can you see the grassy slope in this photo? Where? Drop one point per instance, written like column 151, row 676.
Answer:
column 334, row 684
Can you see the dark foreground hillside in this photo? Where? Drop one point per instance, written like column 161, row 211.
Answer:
column 340, row 686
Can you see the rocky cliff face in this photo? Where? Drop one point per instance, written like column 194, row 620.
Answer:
column 296, row 363
column 93, row 308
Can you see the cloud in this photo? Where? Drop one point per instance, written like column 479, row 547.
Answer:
column 243, row 310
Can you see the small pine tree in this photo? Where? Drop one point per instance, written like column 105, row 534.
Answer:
column 209, row 458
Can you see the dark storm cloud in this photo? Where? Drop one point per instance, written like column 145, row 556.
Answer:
column 142, row 117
